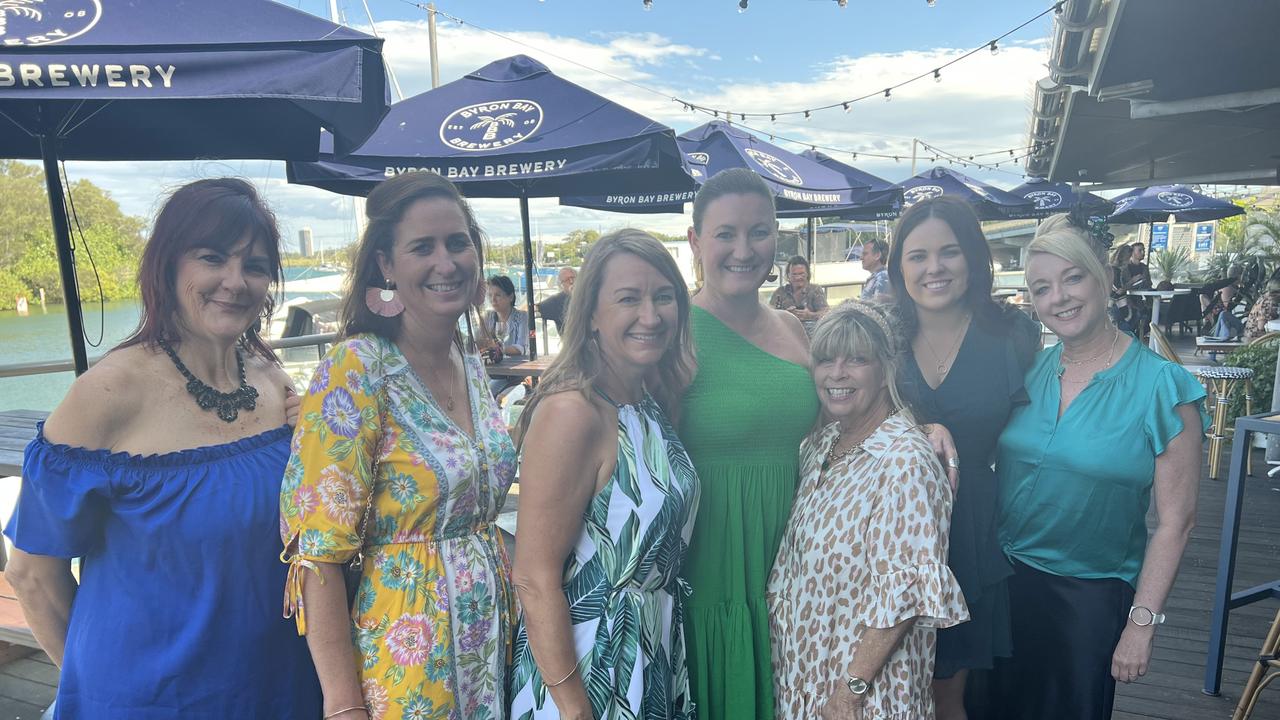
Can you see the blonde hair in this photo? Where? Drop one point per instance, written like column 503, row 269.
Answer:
column 855, row 328
column 579, row 363
column 1058, row 236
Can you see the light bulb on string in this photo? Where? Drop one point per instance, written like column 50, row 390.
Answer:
column 806, row 114
column 842, row 3
column 995, row 49
column 887, row 97
column 648, row 5
column 931, row 3
column 937, row 76
column 846, row 106
column 773, row 118
column 742, row 6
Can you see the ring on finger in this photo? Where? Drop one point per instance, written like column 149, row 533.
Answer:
column 953, row 462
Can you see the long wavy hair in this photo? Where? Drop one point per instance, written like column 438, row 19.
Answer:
column 385, row 208
column 214, row 213
column 580, row 361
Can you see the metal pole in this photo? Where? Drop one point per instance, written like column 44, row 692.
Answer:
column 528, row 273
column 812, row 227
column 914, row 143
column 66, row 255
column 431, row 41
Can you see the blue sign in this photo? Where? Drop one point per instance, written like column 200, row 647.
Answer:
column 1204, row 237
column 1160, row 236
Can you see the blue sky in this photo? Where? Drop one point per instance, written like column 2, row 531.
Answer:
column 779, row 55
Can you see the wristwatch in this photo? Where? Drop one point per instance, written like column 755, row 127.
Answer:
column 858, row 686
column 1144, row 616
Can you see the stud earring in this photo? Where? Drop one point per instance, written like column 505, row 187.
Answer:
column 382, row 301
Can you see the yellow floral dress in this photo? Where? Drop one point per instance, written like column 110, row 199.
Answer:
column 434, row 611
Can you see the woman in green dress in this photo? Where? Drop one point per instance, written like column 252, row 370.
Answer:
column 749, row 405
column 608, row 497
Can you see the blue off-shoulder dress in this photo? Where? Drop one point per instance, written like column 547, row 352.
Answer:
column 178, row 612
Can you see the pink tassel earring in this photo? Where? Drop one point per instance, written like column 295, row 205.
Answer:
column 383, row 301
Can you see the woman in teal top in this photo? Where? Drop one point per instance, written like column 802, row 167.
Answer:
column 1109, row 422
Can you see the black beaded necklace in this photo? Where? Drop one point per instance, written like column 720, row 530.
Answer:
column 227, row 404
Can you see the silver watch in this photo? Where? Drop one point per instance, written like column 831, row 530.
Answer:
column 857, row 686
column 1144, row 616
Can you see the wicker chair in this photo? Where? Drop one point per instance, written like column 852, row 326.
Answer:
column 1267, row 669
column 1219, row 382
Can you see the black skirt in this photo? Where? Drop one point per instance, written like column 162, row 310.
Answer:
column 1065, row 631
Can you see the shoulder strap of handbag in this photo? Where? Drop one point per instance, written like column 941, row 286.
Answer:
column 358, row 560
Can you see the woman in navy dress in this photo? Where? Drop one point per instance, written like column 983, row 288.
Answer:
column 963, row 370
column 161, row 469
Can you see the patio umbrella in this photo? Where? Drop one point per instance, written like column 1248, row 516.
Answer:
column 511, row 129
column 989, row 202
column 175, row 79
column 883, row 201
column 1049, row 198
column 799, row 184
column 1158, row 202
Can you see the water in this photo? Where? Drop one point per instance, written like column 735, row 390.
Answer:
column 42, row 336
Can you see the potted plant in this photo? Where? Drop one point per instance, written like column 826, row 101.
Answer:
column 1261, row 359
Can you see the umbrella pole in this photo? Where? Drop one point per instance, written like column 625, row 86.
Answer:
column 66, row 256
column 528, row 274
column 813, row 236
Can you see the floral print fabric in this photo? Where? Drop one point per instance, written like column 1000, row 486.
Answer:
column 866, row 546
column 622, row 584
column 434, row 608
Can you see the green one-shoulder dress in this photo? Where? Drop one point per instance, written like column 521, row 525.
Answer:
column 744, row 417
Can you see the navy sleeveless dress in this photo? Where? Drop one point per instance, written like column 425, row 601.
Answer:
column 178, row 611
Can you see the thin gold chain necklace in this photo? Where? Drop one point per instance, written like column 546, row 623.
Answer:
column 1111, row 354
column 944, row 363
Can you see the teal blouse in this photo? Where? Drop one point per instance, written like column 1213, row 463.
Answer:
column 1074, row 491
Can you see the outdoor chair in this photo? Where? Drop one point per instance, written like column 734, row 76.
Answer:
column 1266, row 670
column 1219, row 383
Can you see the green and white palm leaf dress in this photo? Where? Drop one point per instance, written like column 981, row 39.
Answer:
column 623, row 586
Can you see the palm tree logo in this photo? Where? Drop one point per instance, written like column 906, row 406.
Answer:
column 20, row 8
column 491, row 123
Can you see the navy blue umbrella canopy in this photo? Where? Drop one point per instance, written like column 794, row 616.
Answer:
column 989, row 202
column 511, row 129
column 883, row 201
column 1050, row 198
column 171, row 80
column 1157, row 203
column 799, row 184
column 179, row 79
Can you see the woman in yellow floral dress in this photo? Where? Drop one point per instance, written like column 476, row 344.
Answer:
column 396, row 409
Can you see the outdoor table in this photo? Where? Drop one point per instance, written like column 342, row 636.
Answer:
column 528, row 368
column 17, row 428
column 1224, row 601
column 1159, row 295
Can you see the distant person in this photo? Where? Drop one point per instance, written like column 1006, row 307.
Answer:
column 603, row 538
column 1138, row 269
column 505, row 327
column 555, row 307
column 1123, row 309
column 875, row 253
column 1263, row 311
column 162, row 469
column 801, row 298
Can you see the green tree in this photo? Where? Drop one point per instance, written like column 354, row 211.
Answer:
column 29, row 258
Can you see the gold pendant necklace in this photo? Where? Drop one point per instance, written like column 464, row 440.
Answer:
column 944, row 362
column 436, row 375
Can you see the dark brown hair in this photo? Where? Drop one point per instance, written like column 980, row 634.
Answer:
column 385, row 208
column 964, row 225
column 735, row 181
column 216, row 213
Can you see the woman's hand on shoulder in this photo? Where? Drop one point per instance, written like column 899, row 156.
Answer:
column 280, row 380
column 944, row 446
column 96, row 412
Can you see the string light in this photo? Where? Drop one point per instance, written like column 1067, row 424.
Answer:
column 806, row 115
column 931, row 3
column 846, row 107
column 887, row 97
column 648, row 5
column 936, row 73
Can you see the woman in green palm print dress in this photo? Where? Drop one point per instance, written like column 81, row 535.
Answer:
column 608, row 498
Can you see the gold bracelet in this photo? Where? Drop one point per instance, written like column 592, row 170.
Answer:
column 346, row 710
column 563, row 679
